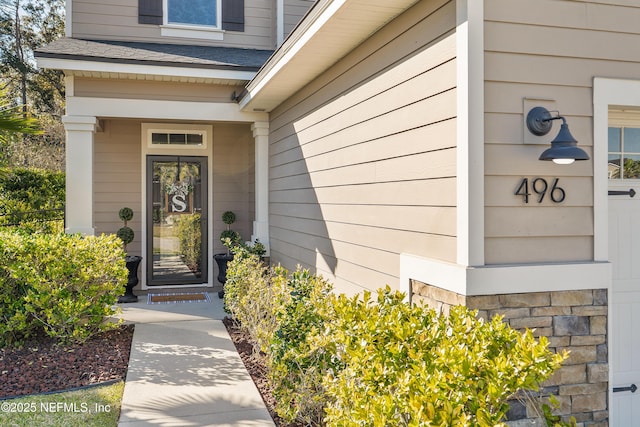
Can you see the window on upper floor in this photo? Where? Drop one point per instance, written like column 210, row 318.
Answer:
column 193, row 18
column 192, row 12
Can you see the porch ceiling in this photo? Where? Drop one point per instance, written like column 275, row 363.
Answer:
column 330, row 30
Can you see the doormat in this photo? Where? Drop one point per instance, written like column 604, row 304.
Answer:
column 178, row 298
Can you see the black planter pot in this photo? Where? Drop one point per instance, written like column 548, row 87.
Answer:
column 133, row 262
column 222, row 260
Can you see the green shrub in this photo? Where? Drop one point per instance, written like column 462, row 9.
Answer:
column 33, row 198
column 63, row 285
column 253, row 295
column 296, row 366
column 341, row 361
column 408, row 366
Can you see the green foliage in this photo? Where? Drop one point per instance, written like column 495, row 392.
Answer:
column 228, row 217
column 26, row 25
column 340, row 361
column 409, row 366
column 189, row 234
column 125, row 214
column 63, row 285
column 32, row 197
column 253, row 294
column 229, row 237
column 125, row 233
column 14, row 120
column 232, row 235
column 297, row 365
column 257, row 248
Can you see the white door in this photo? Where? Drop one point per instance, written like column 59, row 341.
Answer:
column 624, row 253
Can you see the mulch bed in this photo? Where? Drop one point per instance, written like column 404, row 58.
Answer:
column 41, row 365
column 256, row 367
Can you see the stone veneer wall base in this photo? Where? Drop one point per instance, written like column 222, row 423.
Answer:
column 575, row 321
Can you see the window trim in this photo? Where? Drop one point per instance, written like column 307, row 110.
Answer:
column 196, row 31
column 149, row 128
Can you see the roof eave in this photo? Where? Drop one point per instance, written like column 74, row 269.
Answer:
column 73, row 64
column 313, row 47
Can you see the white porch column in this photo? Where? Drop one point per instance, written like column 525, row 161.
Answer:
column 261, row 223
column 79, row 179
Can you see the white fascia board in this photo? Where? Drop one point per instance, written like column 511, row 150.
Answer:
column 503, row 279
column 286, row 53
column 156, row 70
column 161, row 109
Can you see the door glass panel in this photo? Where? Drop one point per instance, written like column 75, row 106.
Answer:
column 631, row 166
column 632, row 140
column 178, row 220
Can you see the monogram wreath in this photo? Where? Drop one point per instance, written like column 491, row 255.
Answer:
column 179, row 188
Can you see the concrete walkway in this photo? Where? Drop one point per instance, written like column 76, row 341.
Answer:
column 184, row 369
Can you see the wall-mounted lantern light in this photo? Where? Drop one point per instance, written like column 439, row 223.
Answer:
column 564, row 148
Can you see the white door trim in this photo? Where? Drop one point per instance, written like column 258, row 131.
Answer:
column 607, row 92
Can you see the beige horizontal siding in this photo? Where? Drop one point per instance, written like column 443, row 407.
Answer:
column 547, row 49
column 117, row 180
column 363, row 160
column 231, row 179
column 136, row 89
column 430, row 192
column 512, row 250
column 118, row 20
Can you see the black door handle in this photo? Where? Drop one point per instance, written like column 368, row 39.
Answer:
column 632, row 388
column 629, row 193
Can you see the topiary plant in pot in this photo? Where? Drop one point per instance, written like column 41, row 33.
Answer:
column 126, row 234
column 229, row 238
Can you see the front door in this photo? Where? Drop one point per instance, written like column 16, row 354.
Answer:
column 176, row 220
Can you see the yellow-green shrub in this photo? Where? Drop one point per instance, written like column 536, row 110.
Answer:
column 64, row 285
column 296, row 366
column 341, row 361
column 253, row 294
column 407, row 366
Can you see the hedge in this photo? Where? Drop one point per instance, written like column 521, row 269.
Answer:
column 62, row 285
column 32, row 197
column 365, row 361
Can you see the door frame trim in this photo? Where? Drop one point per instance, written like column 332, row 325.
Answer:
column 148, row 220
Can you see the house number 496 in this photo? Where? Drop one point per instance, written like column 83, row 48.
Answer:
column 541, row 188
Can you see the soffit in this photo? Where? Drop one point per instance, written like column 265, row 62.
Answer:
column 329, row 31
column 156, row 78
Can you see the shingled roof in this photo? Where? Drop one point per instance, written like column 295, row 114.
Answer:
column 210, row 57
